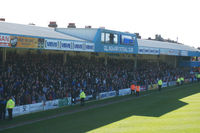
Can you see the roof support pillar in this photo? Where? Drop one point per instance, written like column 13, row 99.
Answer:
column 3, row 56
column 175, row 62
column 135, row 62
column 106, row 60
column 89, row 55
column 158, row 58
column 64, row 58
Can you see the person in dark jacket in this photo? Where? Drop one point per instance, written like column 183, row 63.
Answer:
column 73, row 97
column 2, row 108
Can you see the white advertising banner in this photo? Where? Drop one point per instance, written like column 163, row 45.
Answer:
column 107, row 94
column 89, row 47
column 16, row 111
column 51, row 104
column 79, row 46
column 36, row 107
column 4, row 40
column 123, row 92
column 24, row 109
column 51, row 44
column 146, row 50
column 66, row 45
column 184, row 53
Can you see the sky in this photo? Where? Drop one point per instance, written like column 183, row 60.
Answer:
column 174, row 19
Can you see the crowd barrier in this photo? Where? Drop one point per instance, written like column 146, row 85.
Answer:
column 53, row 104
column 107, row 94
column 123, row 92
column 36, row 107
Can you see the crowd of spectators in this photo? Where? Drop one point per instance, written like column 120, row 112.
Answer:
column 33, row 78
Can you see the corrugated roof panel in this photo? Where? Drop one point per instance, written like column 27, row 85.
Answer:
column 83, row 33
column 167, row 45
column 31, row 30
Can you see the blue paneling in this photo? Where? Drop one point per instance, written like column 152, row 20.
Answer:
column 190, row 64
column 194, row 53
column 115, row 48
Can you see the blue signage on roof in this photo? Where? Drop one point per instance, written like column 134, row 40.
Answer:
column 148, row 50
column 52, row 44
column 123, row 42
column 65, row 45
column 128, row 41
column 90, row 47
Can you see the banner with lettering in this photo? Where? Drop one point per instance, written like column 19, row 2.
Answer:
column 52, row 44
column 23, row 42
column 4, row 40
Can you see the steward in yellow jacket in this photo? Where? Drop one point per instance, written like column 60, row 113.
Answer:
column 82, row 98
column 9, row 106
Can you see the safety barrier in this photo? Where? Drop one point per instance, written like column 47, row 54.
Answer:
column 30, row 108
column 107, row 94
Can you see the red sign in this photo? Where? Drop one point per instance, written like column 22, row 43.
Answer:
column 4, row 40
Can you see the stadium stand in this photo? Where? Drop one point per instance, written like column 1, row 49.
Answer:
column 42, row 64
column 33, row 78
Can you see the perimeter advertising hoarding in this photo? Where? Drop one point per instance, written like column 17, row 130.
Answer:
column 152, row 86
column 69, row 45
column 23, row 42
column 52, row 44
column 184, row 53
column 174, row 52
column 143, row 50
column 89, row 47
column 4, row 41
column 66, row 45
column 118, row 49
column 169, row 52
column 81, row 46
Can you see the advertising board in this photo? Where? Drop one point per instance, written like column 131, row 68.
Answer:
column 52, row 44
column 23, row 42
column 4, row 40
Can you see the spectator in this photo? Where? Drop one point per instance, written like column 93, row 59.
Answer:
column 32, row 78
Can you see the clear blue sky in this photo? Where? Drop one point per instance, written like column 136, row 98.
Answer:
column 170, row 18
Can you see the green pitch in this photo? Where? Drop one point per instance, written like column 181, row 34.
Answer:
column 174, row 110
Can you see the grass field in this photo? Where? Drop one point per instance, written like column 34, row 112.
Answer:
column 174, row 110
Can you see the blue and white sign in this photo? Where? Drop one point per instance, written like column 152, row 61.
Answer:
column 164, row 51
column 164, row 84
column 118, row 49
column 51, row 104
column 123, row 92
column 36, row 107
column 128, row 41
column 51, row 44
column 69, row 45
column 24, row 109
column 89, row 47
column 169, row 52
column 173, row 52
column 66, row 45
column 16, row 111
column 107, row 94
column 103, row 95
column 184, row 53
column 80, row 46
column 172, row 83
column 145, row 50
